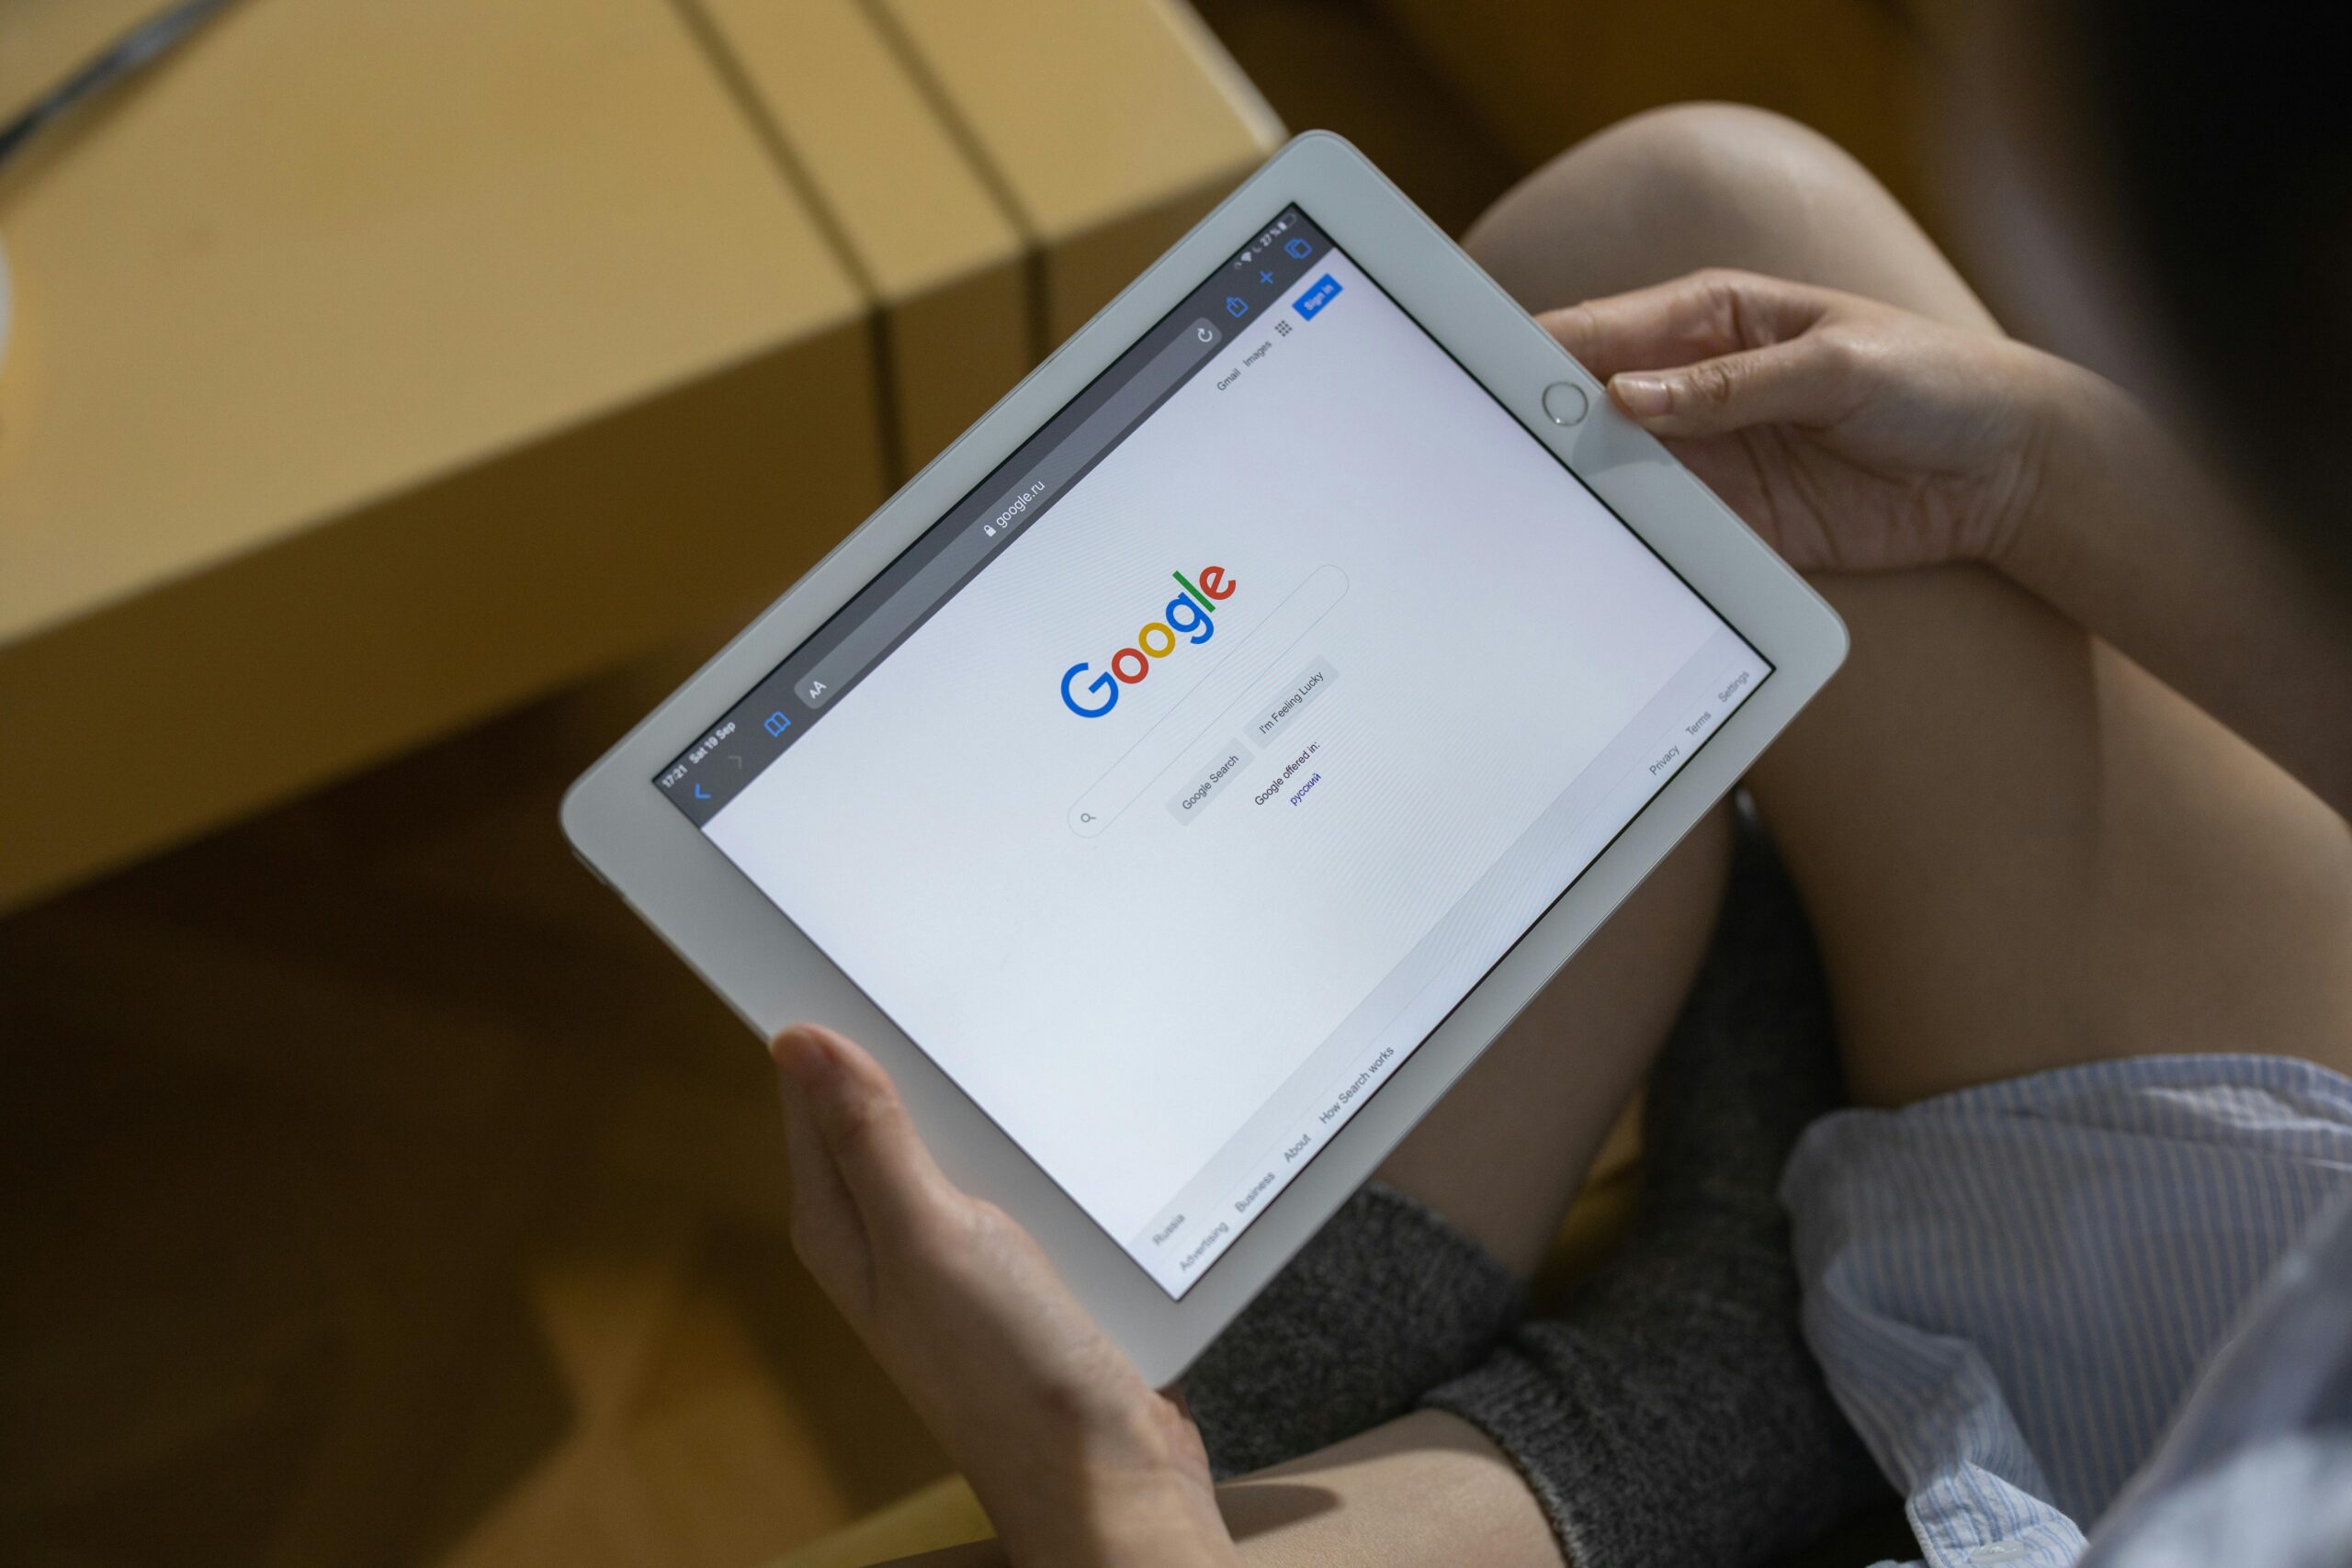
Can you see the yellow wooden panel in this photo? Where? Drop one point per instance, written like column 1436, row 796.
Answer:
column 377, row 365
column 252, row 682
column 908, row 199
column 332, row 248
column 943, row 1515
column 913, row 210
column 41, row 41
column 1112, row 124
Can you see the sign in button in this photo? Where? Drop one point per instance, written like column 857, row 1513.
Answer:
column 1319, row 293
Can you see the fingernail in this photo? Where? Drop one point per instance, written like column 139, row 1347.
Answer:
column 1643, row 397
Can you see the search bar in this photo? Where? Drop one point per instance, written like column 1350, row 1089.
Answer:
column 995, row 528
column 1202, row 713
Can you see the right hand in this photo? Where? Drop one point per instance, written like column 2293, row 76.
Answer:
column 1076, row 1459
column 1852, row 435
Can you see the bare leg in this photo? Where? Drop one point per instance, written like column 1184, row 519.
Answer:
column 1504, row 1153
column 1423, row 1489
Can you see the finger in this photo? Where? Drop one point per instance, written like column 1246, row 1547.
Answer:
column 825, row 1228
column 1701, row 316
column 1808, row 382
column 865, row 1132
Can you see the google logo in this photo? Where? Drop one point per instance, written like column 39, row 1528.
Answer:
column 1189, row 615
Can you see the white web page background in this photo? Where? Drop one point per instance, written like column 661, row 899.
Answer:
column 1123, row 1004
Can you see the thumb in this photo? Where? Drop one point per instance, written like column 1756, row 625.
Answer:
column 1800, row 382
column 864, row 1127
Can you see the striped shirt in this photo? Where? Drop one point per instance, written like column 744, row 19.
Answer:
column 2011, row 1288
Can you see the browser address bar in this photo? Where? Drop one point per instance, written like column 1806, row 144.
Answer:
column 994, row 527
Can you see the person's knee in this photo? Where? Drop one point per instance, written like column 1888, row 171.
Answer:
column 1672, row 190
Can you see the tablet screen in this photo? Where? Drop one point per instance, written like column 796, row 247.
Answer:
column 1176, row 784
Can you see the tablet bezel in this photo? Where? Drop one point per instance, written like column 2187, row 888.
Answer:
column 740, row 942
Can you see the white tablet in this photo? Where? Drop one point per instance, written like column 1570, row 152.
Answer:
column 1184, row 777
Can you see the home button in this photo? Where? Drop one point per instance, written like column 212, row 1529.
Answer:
column 1565, row 402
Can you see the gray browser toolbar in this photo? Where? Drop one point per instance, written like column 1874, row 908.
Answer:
column 923, row 592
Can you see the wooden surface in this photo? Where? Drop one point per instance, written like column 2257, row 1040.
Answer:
column 852, row 119
column 371, row 373
column 332, row 248
column 1090, row 100
column 379, row 367
column 378, row 1191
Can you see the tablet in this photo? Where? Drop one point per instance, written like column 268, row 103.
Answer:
column 1184, row 777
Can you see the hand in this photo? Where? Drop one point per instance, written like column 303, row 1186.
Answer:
column 1852, row 435
column 1075, row 1458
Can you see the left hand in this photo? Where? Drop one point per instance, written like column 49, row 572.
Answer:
column 1075, row 1458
